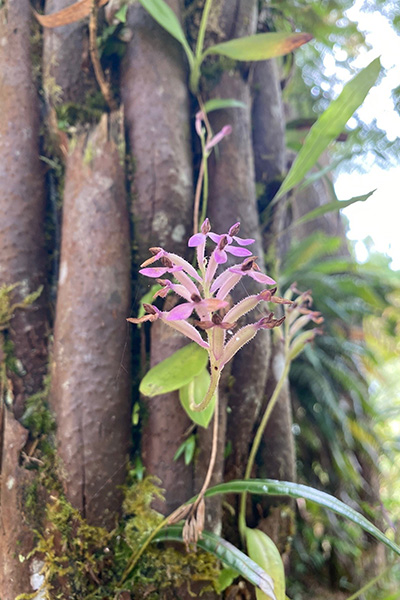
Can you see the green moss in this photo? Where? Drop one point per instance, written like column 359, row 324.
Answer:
column 86, row 562
column 70, row 115
column 37, row 416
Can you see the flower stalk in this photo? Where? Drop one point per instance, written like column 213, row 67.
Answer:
column 205, row 292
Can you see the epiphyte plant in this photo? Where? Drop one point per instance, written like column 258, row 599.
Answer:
column 207, row 293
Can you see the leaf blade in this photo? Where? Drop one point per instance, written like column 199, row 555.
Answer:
column 264, row 552
column 273, row 487
column 220, row 103
column 330, row 207
column 175, row 371
column 165, row 16
column 330, row 124
column 228, row 554
column 261, row 46
column 196, row 390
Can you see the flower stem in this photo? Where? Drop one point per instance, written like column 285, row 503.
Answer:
column 134, row 559
column 202, row 28
column 257, row 441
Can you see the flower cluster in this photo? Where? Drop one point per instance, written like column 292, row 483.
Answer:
column 206, row 293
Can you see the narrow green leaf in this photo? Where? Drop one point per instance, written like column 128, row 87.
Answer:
column 228, row 554
column 196, row 391
column 264, row 552
column 218, row 103
column 260, row 46
column 330, row 207
column 330, row 124
column 272, row 487
column 165, row 16
column 190, row 447
column 175, row 371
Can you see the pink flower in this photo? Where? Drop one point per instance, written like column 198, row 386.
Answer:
column 207, row 297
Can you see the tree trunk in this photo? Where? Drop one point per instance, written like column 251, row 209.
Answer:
column 90, row 382
column 22, row 262
column 156, row 104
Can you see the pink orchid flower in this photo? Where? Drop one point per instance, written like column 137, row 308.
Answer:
column 206, row 295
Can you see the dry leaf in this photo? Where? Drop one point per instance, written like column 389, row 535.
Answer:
column 71, row 14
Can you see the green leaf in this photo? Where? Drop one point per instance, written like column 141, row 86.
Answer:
column 187, row 448
column 218, row 103
column 175, row 371
column 330, row 207
column 226, row 577
column 272, row 487
column 330, row 124
column 121, row 13
column 260, row 46
column 196, row 391
column 264, row 552
column 165, row 16
column 228, row 554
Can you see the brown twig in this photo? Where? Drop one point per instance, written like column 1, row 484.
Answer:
column 94, row 55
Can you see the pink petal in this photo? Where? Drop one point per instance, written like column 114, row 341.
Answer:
column 188, row 330
column 186, row 266
column 187, row 283
column 218, row 137
column 260, row 277
column 154, row 271
column 215, row 237
column 243, row 242
column 238, row 251
column 220, row 280
column 196, row 240
column 213, row 304
column 182, row 311
column 220, row 256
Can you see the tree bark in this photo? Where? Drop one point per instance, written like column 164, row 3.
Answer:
column 155, row 98
column 276, row 457
column 23, row 262
column 21, row 201
column 233, row 198
column 65, row 58
column 90, row 390
column 156, row 104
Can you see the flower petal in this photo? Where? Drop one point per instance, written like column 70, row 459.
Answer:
column 215, row 237
column 243, row 242
column 188, row 330
column 238, row 251
column 196, row 240
column 220, row 255
column 261, row 277
column 212, row 304
column 182, row 311
column 186, row 266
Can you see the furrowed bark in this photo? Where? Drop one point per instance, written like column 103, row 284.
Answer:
column 65, row 58
column 90, row 385
column 233, row 198
column 268, row 128
column 21, row 201
column 155, row 97
column 276, row 457
column 22, row 260
column 16, row 537
column 165, row 429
